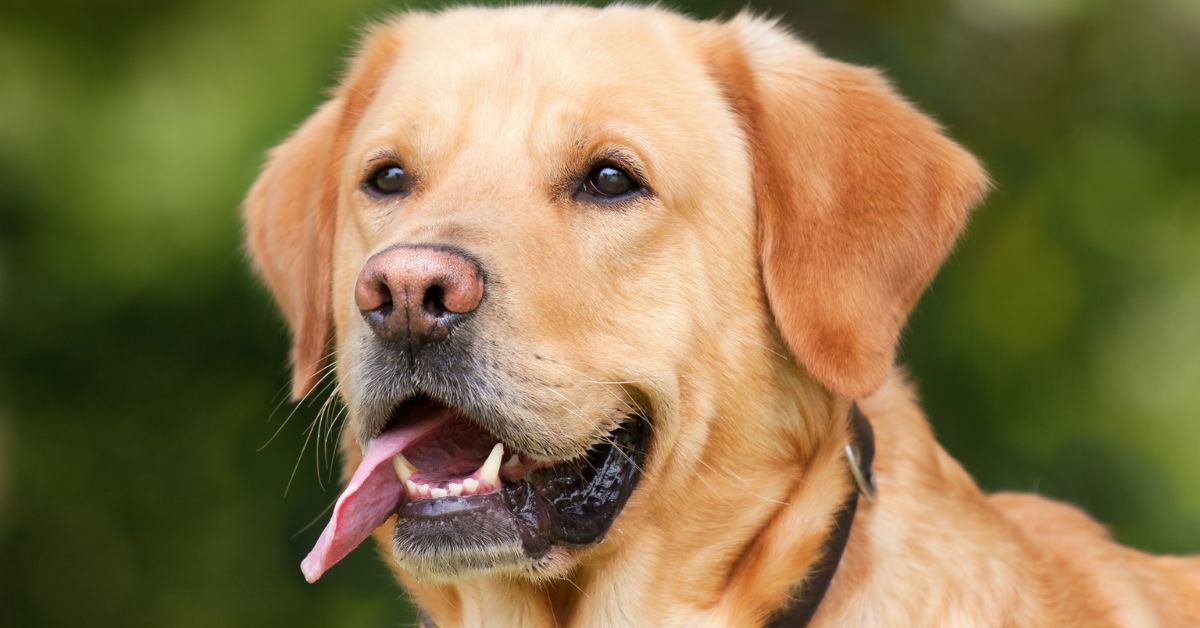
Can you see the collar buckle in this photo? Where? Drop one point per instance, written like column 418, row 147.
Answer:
column 862, row 476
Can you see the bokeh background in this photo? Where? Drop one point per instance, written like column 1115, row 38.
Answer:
column 140, row 360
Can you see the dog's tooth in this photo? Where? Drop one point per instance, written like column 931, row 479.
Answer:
column 489, row 473
column 438, row 493
column 455, row 489
column 404, row 470
column 412, row 488
column 423, row 489
column 470, row 485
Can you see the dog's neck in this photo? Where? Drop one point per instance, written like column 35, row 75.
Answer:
column 860, row 453
column 761, row 510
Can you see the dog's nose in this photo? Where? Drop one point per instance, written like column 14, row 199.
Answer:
column 417, row 293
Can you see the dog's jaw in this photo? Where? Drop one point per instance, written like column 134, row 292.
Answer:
column 669, row 564
column 460, row 510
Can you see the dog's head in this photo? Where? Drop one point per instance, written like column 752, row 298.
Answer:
column 567, row 256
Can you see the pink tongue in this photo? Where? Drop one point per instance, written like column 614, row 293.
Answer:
column 369, row 499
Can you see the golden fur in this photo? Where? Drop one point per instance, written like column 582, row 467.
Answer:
column 799, row 208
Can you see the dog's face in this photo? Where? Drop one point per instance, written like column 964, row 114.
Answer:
column 565, row 251
column 573, row 177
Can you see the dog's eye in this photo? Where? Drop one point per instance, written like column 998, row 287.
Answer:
column 608, row 182
column 388, row 180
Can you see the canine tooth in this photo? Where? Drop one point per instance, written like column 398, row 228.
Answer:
column 470, row 485
column 423, row 489
column 404, row 470
column 489, row 473
column 412, row 487
column 456, row 489
column 438, row 493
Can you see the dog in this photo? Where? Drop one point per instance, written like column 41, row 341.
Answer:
column 613, row 297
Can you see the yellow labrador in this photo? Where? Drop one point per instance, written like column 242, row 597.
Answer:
column 615, row 296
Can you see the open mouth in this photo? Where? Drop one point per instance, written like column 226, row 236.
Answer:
column 464, row 500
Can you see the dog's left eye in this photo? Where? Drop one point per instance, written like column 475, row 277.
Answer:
column 609, row 182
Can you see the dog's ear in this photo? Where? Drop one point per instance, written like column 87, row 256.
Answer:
column 859, row 199
column 289, row 215
column 290, row 212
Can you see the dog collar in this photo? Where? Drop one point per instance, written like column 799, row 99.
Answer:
column 859, row 453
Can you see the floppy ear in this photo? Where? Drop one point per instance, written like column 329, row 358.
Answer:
column 859, row 196
column 290, row 212
column 289, row 215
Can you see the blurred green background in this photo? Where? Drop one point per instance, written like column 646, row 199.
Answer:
column 1059, row 351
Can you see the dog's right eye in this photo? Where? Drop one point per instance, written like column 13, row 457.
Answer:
column 388, row 180
column 607, row 183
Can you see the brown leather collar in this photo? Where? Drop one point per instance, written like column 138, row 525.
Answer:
column 860, row 452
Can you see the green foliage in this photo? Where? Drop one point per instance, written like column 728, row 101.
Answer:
column 1059, row 351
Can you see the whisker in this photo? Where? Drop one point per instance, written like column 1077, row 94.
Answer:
column 637, row 414
column 763, row 345
column 578, row 414
column 341, row 415
column 621, row 450
column 746, row 486
column 308, row 435
column 550, row 602
column 279, row 398
column 322, row 444
column 321, row 382
column 577, row 588
column 315, row 519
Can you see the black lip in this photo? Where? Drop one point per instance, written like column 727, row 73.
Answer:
column 570, row 504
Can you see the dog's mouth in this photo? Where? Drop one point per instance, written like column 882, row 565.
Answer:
column 467, row 501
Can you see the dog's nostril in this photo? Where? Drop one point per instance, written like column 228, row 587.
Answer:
column 381, row 313
column 434, row 302
column 384, row 302
column 373, row 294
